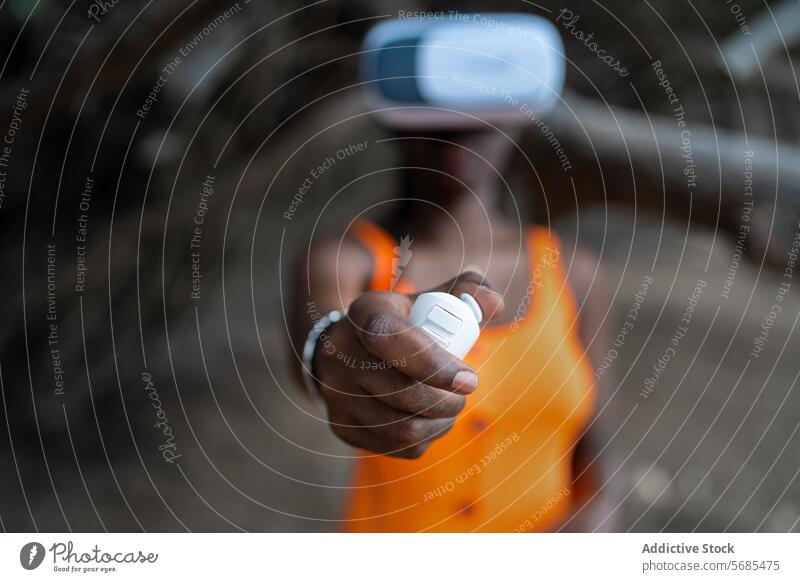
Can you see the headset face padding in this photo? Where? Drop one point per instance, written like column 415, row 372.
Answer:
column 462, row 70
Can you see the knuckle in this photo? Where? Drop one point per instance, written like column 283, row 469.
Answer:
column 410, row 432
column 413, row 399
column 379, row 332
column 444, row 428
column 401, row 387
column 451, row 405
column 410, row 398
column 435, row 364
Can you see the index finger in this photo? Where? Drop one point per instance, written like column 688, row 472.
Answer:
column 385, row 332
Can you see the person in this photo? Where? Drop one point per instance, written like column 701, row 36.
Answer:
column 501, row 440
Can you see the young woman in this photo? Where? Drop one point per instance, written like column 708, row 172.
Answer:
column 496, row 442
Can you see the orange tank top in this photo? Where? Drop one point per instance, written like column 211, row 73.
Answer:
column 506, row 465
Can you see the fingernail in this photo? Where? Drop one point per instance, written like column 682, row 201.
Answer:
column 466, row 382
column 475, row 269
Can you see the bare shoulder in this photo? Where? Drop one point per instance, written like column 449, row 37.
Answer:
column 333, row 259
column 589, row 287
column 580, row 265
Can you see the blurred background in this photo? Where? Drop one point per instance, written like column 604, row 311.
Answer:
column 126, row 122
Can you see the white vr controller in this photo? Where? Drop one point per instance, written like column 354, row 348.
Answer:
column 453, row 323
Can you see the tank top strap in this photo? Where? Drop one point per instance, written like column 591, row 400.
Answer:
column 383, row 249
column 548, row 276
column 544, row 251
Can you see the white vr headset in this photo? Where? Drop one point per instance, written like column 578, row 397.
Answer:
column 462, row 70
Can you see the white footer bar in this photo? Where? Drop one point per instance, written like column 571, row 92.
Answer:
column 400, row 557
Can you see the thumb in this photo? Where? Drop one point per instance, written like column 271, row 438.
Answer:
column 472, row 283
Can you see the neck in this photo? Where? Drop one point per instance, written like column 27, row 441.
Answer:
column 473, row 216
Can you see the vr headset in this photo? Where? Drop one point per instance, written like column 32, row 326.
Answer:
column 462, row 71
